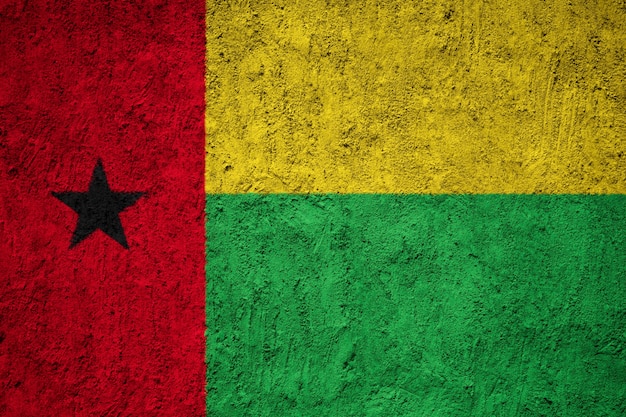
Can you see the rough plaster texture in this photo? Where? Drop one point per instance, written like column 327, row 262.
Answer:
column 99, row 330
column 387, row 305
column 415, row 305
column 416, row 96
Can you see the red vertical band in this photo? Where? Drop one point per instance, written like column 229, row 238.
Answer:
column 98, row 329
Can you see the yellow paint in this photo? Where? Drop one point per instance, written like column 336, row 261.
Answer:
column 416, row 97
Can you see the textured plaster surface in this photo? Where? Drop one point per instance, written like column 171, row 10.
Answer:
column 416, row 96
column 99, row 330
column 387, row 305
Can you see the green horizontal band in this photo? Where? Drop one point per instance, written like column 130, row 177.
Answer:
column 415, row 305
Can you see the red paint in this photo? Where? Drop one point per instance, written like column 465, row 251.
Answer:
column 99, row 330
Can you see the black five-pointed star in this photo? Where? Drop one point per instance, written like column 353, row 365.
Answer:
column 98, row 208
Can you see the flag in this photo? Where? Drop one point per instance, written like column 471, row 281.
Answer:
column 312, row 208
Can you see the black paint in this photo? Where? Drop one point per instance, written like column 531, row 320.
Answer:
column 99, row 208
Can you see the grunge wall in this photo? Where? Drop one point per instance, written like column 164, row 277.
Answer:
column 407, row 209
column 100, row 330
column 427, row 97
column 372, row 208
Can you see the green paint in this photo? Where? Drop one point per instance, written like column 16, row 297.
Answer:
column 416, row 305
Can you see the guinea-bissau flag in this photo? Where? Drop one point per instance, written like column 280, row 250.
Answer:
column 312, row 208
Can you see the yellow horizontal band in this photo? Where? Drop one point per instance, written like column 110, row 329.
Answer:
column 416, row 97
